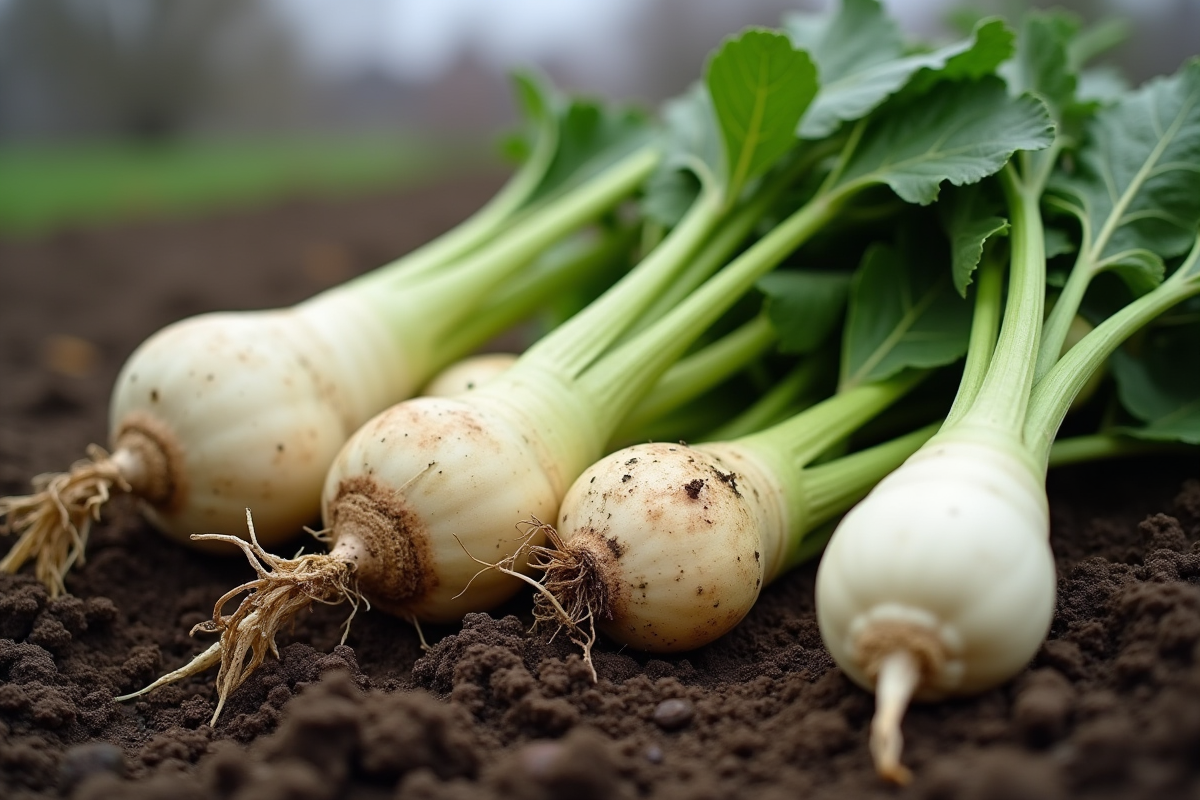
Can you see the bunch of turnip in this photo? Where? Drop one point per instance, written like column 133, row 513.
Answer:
column 826, row 177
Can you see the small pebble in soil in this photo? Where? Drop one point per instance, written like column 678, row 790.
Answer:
column 673, row 714
column 85, row 760
column 654, row 754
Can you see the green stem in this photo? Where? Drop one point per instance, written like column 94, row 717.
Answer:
column 830, row 489
column 985, row 323
column 1053, row 395
column 1037, row 165
column 738, row 225
column 1002, row 399
column 1058, row 322
column 533, row 290
column 1100, row 446
column 805, row 436
column 621, row 377
column 1090, row 256
column 462, row 287
column 690, row 377
column 773, row 405
column 484, row 223
column 579, row 341
column 843, row 160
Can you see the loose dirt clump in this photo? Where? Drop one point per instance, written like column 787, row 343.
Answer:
column 1109, row 708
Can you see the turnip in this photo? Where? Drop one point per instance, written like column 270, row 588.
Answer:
column 469, row 373
column 941, row 582
column 424, row 489
column 665, row 547
column 227, row 410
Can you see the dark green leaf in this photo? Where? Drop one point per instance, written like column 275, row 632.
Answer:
column 669, row 193
column 692, row 160
column 1138, row 169
column 861, row 60
column 990, row 45
column 804, row 306
column 1096, row 40
column 970, row 220
column 903, row 312
column 538, row 103
column 760, row 87
column 693, row 138
column 1101, row 86
column 1058, row 242
column 1141, row 270
column 1160, row 385
column 959, row 132
column 591, row 137
column 1042, row 63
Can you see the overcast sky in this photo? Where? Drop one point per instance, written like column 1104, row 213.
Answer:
column 416, row 39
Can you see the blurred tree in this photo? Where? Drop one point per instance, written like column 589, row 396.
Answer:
column 148, row 69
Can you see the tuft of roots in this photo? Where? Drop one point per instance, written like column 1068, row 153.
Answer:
column 53, row 523
column 570, row 594
column 284, row 587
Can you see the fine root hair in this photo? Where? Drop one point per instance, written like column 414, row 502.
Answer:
column 569, row 595
column 53, row 523
column 284, row 587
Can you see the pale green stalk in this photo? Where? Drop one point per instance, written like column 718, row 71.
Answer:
column 1100, row 446
column 534, row 289
column 985, row 324
column 1053, row 394
column 773, row 405
column 462, row 287
column 695, row 374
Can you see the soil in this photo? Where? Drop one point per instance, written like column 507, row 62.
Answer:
column 1109, row 708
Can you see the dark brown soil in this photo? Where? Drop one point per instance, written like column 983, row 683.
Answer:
column 1110, row 708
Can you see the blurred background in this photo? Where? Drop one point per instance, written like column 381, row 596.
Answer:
column 112, row 108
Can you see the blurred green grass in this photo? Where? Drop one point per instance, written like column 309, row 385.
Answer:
column 44, row 188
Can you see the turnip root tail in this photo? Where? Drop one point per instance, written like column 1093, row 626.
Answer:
column 284, row 588
column 897, row 679
column 570, row 593
column 53, row 523
column 899, row 658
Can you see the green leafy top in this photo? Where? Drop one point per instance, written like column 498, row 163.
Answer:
column 970, row 218
column 1159, row 381
column 804, row 306
column 903, row 312
column 727, row 131
column 959, row 132
column 1134, row 188
column 1042, row 63
column 760, row 86
column 862, row 60
column 590, row 137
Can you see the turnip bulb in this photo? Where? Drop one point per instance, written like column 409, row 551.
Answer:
column 940, row 583
column 467, row 374
column 660, row 546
